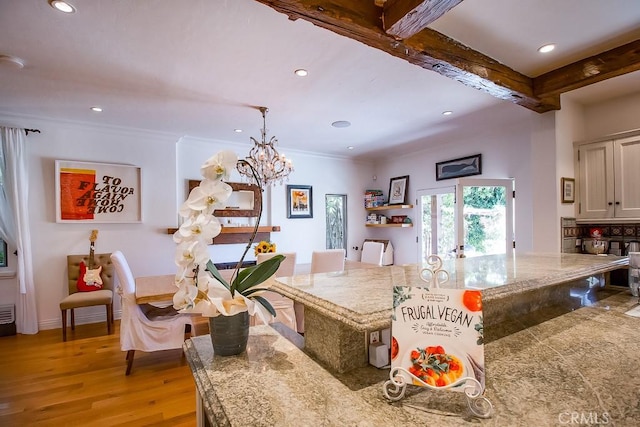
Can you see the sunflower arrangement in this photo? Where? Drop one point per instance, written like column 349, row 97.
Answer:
column 263, row 247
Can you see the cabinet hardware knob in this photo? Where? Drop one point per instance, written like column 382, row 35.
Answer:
column 617, row 203
column 610, row 203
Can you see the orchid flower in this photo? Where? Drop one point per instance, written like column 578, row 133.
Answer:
column 219, row 166
column 207, row 197
column 202, row 227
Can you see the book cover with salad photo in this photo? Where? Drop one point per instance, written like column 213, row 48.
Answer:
column 437, row 335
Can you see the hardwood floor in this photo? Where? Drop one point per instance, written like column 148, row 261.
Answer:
column 81, row 382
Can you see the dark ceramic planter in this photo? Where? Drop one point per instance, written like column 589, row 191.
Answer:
column 229, row 334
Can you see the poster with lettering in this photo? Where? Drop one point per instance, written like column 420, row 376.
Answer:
column 437, row 335
column 97, row 192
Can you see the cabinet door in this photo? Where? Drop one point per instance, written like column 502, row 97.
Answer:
column 627, row 177
column 596, row 181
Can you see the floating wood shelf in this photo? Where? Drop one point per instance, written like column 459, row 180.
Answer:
column 403, row 225
column 239, row 234
column 389, row 207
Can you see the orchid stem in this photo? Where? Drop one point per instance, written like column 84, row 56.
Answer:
column 255, row 228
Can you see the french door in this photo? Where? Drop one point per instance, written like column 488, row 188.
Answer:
column 482, row 224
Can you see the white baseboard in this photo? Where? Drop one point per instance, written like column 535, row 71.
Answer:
column 81, row 319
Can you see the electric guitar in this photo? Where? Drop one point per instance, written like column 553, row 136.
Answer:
column 92, row 275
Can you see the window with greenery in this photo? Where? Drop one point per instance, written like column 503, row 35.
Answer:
column 3, row 253
column 3, row 244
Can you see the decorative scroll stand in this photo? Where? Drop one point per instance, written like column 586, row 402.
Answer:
column 394, row 389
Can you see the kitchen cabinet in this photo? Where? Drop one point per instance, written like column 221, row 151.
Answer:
column 387, row 208
column 608, row 179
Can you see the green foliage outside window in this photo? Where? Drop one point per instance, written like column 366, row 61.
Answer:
column 3, row 253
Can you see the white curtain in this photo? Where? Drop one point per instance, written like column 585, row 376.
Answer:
column 14, row 222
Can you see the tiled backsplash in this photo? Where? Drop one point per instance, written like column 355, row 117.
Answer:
column 621, row 233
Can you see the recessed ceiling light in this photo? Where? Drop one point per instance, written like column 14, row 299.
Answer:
column 97, row 109
column 12, row 61
column 62, row 6
column 301, row 72
column 237, row 130
column 546, row 48
column 447, row 113
column 341, row 124
column 351, row 147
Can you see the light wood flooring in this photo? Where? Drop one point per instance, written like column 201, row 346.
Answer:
column 81, row 382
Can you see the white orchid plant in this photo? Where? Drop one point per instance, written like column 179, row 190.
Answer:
column 201, row 288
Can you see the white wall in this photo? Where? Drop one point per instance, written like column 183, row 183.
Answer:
column 506, row 153
column 146, row 245
column 326, row 175
column 570, row 127
column 617, row 115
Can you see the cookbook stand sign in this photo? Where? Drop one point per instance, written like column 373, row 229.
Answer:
column 438, row 340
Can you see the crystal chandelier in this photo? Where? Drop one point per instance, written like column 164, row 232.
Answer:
column 270, row 166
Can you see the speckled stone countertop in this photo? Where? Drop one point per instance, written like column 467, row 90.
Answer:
column 362, row 299
column 550, row 368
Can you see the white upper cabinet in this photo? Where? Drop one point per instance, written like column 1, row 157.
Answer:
column 608, row 185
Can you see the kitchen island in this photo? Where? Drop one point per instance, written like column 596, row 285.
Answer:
column 554, row 366
column 341, row 308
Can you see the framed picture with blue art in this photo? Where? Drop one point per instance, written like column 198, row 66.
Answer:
column 457, row 168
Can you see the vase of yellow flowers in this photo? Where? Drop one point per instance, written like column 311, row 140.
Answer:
column 264, row 247
column 201, row 288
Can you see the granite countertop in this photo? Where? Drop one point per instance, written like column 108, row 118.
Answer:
column 543, row 369
column 362, row 298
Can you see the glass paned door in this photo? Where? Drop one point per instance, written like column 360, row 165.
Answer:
column 481, row 225
column 436, row 233
column 486, row 215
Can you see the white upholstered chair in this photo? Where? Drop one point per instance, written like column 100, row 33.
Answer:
column 372, row 253
column 327, row 261
column 145, row 327
column 285, row 312
column 321, row 262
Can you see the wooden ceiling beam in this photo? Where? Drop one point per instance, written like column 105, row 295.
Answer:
column 362, row 21
column 404, row 18
column 612, row 63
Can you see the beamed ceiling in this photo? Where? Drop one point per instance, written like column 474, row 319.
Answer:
column 399, row 27
column 199, row 68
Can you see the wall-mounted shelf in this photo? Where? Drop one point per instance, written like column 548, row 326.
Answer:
column 389, row 207
column 403, row 225
column 239, row 234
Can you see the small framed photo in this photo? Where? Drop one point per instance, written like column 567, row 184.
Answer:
column 568, row 188
column 299, row 201
column 398, row 190
column 457, row 168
